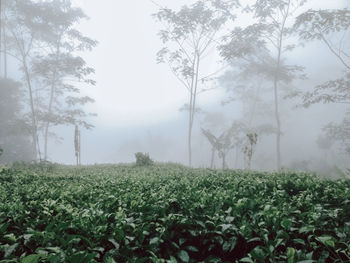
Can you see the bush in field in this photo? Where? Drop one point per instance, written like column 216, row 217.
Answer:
column 143, row 159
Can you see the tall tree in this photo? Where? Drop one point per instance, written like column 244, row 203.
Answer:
column 189, row 36
column 42, row 37
column 3, row 42
column 221, row 144
column 25, row 23
column 14, row 129
column 265, row 44
column 332, row 27
column 59, row 69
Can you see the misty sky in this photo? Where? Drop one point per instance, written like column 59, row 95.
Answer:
column 131, row 86
column 133, row 92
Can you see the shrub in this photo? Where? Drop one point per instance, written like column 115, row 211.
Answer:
column 143, row 159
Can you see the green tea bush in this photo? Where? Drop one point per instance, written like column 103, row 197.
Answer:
column 171, row 214
column 143, row 159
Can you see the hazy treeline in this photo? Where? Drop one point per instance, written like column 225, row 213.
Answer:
column 281, row 69
column 260, row 72
column 40, row 44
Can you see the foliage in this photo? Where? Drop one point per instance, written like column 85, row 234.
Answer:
column 143, row 159
column 263, row 45
column 249, row 148
column 340, row 132
column 229, row 139
column 170, row 213
column 189, row 36
column 332, row 28
column 42, row 37
column 14, row 128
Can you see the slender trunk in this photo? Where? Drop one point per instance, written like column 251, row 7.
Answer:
column 47, row 124
column 36, row 146
column 275, row 82
column 236, row 158
column 223, row 161
column 0, row 34
column 193, row 105
column 49, row 112
column 46, row 134
column 190, row 123
column 52, row 95
column 190, row 116
column 79, row 148
column 189, row 141
column 212, row 158
column 278, row 123
column 5, row 50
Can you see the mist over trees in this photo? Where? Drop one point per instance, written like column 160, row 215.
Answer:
column 259, row 77
column 40, row 39
column 243, row 66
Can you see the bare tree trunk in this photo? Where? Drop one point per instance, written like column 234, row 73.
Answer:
column 5, row 50
column 190, row 124
column 36, row 146
column 193, row 105
column 0, row 34
column 47, row 124
column 278, row 65
column 278, row 123
column 224, row 161
column 189, row 141
column 212, row 158
column 49, row 112
column 52, row 96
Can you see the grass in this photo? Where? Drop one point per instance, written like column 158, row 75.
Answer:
column 170, row 213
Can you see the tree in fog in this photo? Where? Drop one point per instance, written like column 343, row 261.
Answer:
column 14, row 130
column 189, row 35
column 24, row 25
column 332, row 27
column 265, row 43
column 221, row 144
column 245, row 84
column 59, row 69
column 42, row 37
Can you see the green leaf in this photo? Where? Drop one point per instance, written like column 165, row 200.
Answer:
column 183, row 256
column 225, row 227
column 330, row 243
column 192, row 248
column 299, row 241
column 154, row 241
column 3, row 227
column 11, row 237
column 115, row 243
column 327, row 240
column 290, row 255
column 110, row 260
column 286, row 223
column 246, row 259
column 31, row 258
column 258, row 254
column 54, row 259
column 9, row 249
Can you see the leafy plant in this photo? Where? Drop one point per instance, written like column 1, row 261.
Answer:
column 143, row 159
column 248, row 149
column 171, row 213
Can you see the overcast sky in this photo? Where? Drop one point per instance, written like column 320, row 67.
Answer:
column 132, row 89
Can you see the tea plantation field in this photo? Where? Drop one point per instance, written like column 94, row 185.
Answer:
column 170, row 213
